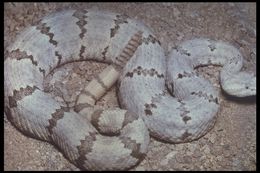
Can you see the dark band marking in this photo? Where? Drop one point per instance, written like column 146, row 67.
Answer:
column 89, row 94
column 134, row 42
column 186, row 118
column 44, row 29
column 95, row 118
column 121, row 61
column 99, row 80
column 42, row 71
column 212, row 47
column 184, row 112
column 186, row 74
column 104, row 52
column 57, row 115
column 85, row 147
column 129, row 74
column 120, row 19
column 80, row 106
column 149, row 107
column 19, row 55
column 129, row 118
column 127, row 52
column 140, row 71
column 19, row 95
column 185, row 135
column 210, row 97
column 129, row 49
column 82, row 50
column 59, row 57
column 148, row 112
column 152, row 105
column 113, row 31
column 182, row 50
column 81, row 15
column 133, row 146
column 151, row 39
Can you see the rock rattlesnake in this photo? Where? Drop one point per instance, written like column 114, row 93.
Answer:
column 120, row 137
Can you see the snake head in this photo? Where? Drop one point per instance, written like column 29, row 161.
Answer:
column 240, row 85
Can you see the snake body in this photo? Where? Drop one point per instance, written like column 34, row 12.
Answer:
column 115, row 139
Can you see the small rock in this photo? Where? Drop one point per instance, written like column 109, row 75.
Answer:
column 187, row 159
column 168, row 157
column 197, row 153
column 219, row 158
column 176, row 12
column 164, row 162
column 212, row 138
column 206, row 149
column 140, row 168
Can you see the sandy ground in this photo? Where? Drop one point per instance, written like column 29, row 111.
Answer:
column 230, row 145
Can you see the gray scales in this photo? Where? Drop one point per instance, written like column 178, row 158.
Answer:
column 160, row 96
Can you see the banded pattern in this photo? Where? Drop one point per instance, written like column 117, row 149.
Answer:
column 129, row 49
column 139, row 71
column 81, row 15
column 190, row 108
column 115, row 139
column 88, row 137
column 44, row 29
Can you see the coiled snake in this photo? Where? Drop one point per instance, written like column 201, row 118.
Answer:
column 164, row 95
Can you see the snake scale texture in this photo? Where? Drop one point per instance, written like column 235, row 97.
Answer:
column 161, row 96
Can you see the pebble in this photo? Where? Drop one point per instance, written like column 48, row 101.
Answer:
column 168, row 157
column 140, row 168
column 176, row 12
column 212, row 138
column 197, row 153
column 206, row 149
